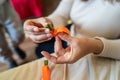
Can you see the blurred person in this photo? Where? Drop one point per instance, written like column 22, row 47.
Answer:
column 10, row 28
column 28, row 8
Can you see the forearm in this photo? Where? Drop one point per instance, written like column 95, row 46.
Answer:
column 94, row 45
column 111, row 48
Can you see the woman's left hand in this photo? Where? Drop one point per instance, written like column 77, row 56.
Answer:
column 78, row 48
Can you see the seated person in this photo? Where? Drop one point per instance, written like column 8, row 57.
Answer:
column 11, row 25
column 93, row 47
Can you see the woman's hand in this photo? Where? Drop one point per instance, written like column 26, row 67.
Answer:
column 35, row 29
column 78, row 48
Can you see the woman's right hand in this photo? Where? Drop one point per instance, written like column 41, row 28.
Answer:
column 77, row 48
column 35, row 29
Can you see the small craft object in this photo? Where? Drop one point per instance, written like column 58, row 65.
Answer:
column 46, row 72
column 58, row 30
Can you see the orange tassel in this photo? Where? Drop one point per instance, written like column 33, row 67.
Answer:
column 58, row 29
column 46, row 73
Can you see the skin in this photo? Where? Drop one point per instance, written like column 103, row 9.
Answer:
column 78, row 47
column 34, row 28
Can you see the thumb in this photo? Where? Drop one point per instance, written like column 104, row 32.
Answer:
column 65, row 37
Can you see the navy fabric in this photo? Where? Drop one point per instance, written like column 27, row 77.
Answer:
column 47, row 46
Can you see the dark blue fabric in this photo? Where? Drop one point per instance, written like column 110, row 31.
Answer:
column 47, row 46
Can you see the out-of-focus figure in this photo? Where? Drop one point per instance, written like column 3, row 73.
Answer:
column 10, row 30
column 28, row 8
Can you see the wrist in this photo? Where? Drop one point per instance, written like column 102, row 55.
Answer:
column 95, row 46
column 98, row 46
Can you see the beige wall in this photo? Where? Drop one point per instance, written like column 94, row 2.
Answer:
column 49, row 6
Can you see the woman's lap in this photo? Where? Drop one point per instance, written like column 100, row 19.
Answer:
column 87, row 68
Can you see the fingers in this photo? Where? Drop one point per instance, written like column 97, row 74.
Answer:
column 29, row 28
column 30, row 24
column 41, row 38
column 36, row 26
column 58, row 60
column 65, row 37
column 37, row 31
column 49, row 57
column 58, row 48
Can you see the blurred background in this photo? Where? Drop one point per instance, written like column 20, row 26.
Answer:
column 28, row 9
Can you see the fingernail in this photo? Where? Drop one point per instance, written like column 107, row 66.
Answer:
column 47, row 30
column 35, row 29
column 49, row 35
column 42, row 52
